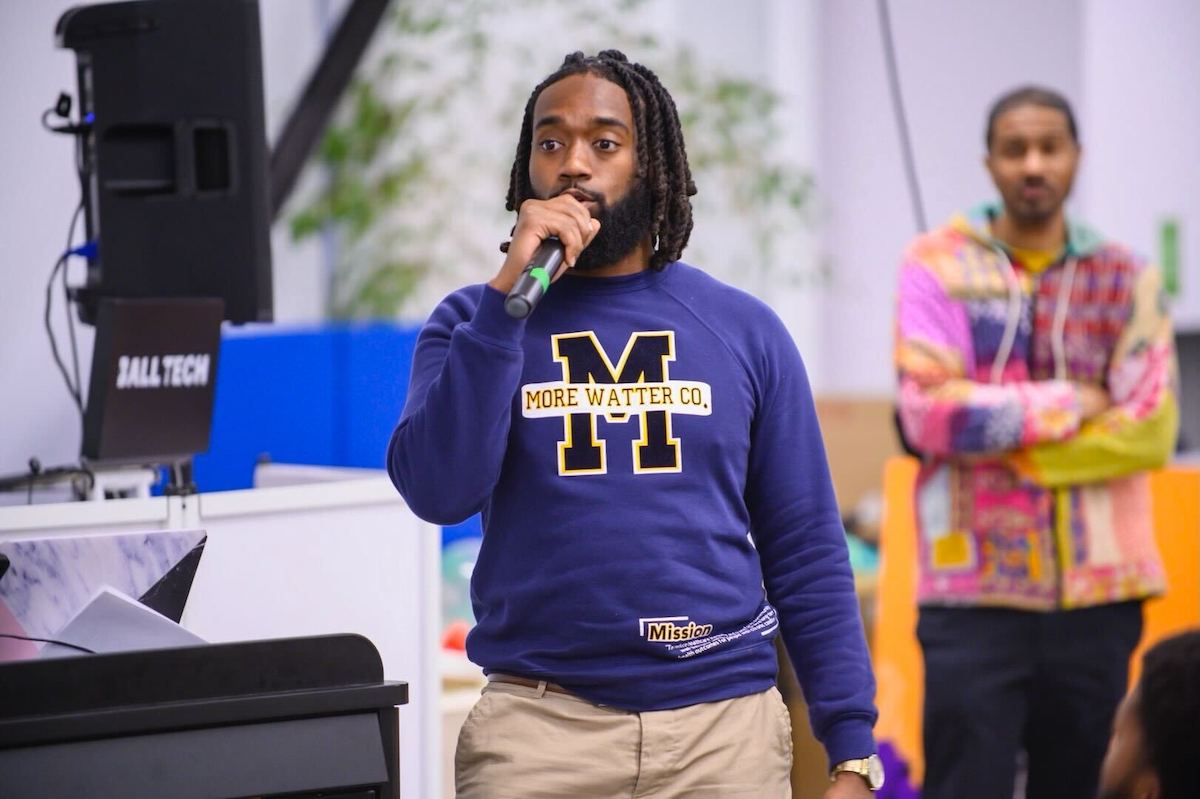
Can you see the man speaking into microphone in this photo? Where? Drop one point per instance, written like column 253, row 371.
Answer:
column 656, row 501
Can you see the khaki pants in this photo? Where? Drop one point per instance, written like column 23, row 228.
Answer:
column 531, row 743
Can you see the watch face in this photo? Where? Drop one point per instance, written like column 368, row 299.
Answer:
column 875, row 772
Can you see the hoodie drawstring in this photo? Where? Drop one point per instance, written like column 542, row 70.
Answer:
column 1012, row 320
column 1058, row 336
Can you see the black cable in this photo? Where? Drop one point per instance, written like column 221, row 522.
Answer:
column 47, row 476
column 73, row 390
column 74, row 347
column 50, row 331
column 910, row 165
column 81, row 170
column 48, row 641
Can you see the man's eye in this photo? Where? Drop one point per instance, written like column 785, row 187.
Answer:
column 548, row 145
column 606, row 144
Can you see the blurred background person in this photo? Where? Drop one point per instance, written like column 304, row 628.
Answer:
column 1036, row 370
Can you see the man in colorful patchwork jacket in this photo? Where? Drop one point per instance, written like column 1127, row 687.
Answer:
column 1036, row 373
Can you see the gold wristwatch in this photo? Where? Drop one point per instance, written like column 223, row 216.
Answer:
column 869, row 768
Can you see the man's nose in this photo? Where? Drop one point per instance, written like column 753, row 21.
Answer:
column 577, row 161
column 1034, row 163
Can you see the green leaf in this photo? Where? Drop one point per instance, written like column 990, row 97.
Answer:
column 305, row 223
column 335, row 146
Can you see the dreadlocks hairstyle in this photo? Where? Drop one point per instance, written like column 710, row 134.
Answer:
column 662, row 159
column 1030, row 95
column 1168, row 708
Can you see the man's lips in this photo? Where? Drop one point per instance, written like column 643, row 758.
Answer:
column 582, row 195
column 1034, row 192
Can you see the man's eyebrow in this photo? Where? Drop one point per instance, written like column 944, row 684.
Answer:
column 609, row 122
column 596, row 122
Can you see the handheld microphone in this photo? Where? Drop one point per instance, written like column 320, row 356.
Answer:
column 535, row 279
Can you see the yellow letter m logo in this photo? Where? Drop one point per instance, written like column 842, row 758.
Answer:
column 638, row 385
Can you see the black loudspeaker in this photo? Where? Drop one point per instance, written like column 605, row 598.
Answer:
column 174, row 159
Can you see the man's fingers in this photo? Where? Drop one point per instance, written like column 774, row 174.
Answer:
column 574, row 228
column 572, row 245
column 563, row 217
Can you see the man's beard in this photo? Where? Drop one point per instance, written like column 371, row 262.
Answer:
column 1027, row 214
column 623, row 226
column 1034, row 214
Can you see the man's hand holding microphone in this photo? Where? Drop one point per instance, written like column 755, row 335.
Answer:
column 547, row 241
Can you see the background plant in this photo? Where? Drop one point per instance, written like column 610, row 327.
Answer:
column 410, row 177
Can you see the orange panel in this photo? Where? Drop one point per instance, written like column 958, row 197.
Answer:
column 897, row 656
column 1176, row 493
column 899, row 669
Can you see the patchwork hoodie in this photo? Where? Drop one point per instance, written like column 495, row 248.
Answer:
column 1020, row 502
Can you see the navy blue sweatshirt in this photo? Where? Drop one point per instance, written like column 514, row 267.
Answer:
column 655, row 496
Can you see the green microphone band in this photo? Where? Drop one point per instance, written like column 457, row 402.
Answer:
column 543, row 278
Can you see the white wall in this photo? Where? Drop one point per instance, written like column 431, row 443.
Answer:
column 293, row 38
column 39, row 191
column 772, row 41
column 1140, row 124
column 36, row 199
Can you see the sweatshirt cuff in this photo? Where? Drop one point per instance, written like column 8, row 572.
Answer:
column 849, row 740
column 492, row 322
